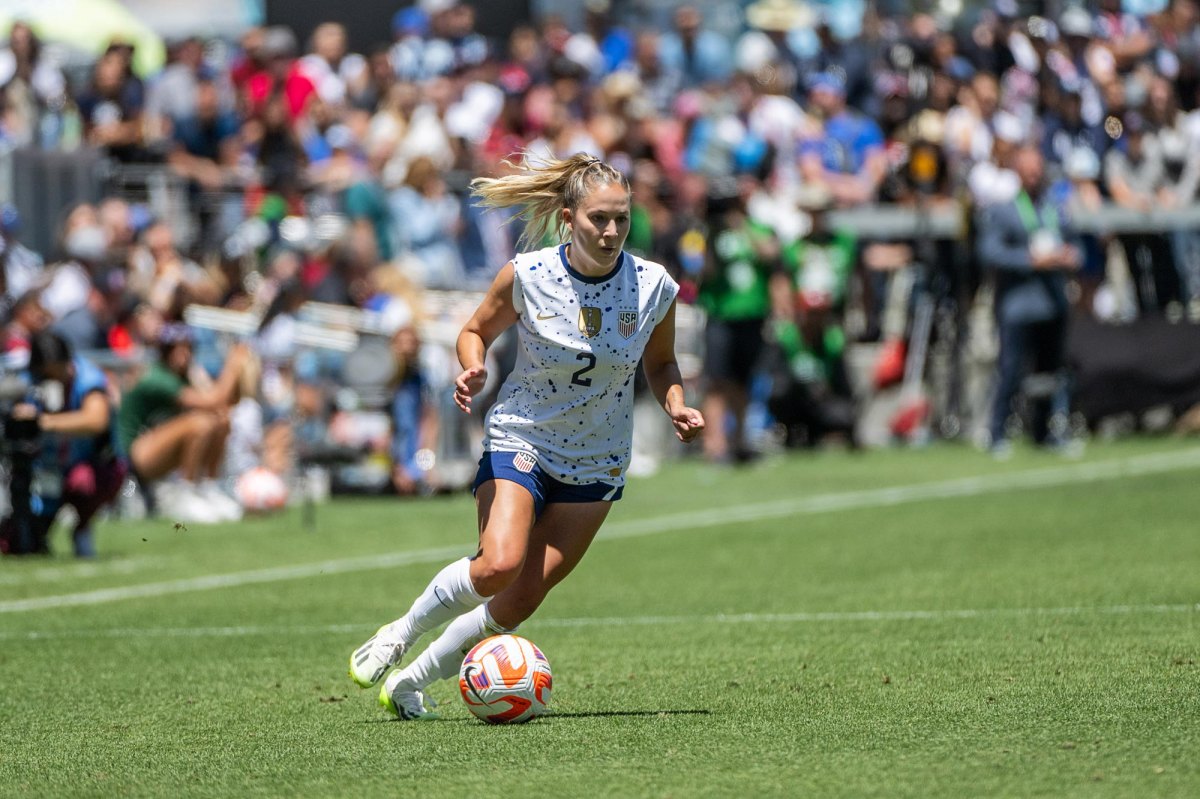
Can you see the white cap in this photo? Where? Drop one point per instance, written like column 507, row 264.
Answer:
column 1082, row 164
column 1008, row 127
column 1075, row 21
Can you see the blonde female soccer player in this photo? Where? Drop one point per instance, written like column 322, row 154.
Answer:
column 558, row 438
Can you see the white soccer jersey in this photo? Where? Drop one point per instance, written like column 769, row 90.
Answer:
column 569, row 400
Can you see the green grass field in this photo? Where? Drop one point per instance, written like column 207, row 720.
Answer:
column 905, row 623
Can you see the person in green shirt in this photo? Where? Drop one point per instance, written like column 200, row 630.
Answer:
column 811, row 393
column 743, row 255
column 167, row 424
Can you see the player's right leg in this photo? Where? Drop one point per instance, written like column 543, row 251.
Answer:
column 506, row 516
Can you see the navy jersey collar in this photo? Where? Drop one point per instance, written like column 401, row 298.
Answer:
column 562, row 254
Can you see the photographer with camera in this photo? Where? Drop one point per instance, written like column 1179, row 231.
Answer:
column 69, row 416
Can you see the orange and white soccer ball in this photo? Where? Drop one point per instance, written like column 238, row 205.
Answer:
column 505, row 679
column 261, row 490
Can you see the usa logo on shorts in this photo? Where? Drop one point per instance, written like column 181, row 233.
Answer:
column 627, row 323
column 524, row 462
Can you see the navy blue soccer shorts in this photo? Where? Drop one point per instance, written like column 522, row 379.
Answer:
column 523, row 469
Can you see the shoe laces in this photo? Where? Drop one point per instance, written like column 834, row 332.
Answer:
column 416, row 702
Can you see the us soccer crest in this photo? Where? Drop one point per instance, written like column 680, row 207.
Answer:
column 590, row 321
column 627, row 323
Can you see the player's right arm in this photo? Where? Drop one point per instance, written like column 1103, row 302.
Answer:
column 494, row 315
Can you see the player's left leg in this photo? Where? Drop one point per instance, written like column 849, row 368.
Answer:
column 506, row 512
column 563, row 534
column 558, row 541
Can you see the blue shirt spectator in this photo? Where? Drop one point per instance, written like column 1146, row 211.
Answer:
column 701, row 56
column 848, row 157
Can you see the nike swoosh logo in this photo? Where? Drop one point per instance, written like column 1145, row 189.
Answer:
column 542, row 317
column 466, row 675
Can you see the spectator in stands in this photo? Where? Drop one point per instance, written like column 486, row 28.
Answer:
column 1179, row 137
column 388, row 128
column 768, row 43
column 743, row 254
column 969, row 123
column 32, row 88
column 700, row 55
column 171, row 421
column 1021, row 241
column 426, row 222
column 112, row 107
column 175, row 94
column 810, row 393
column 272, row 144
column 157, row 269
column 660, row 84
column 414, row 418
column 1064, row 129
column 490, row 235
column 847, row 157
column 75, row 413
column 409, row 28
column 453, row 43
column 1135, row 173
column 1079, row 195
column 204, row 148
column 683, row 247
column 340, row 165
column 273, row 71
column 205, row 138
column 70, row 294
column 849, row 59
column 380, row 78
column 25, row 320
column 613, row 43
column 336, row 73
column 511, row 130
column 21, row 268
column 562, row 135
column 721, row 143
column 992, row 181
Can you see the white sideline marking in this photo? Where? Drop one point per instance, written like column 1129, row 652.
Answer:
column 211, row 581
column 898, row 495
column 822, row 503
column 622, row 621
column 75, row 571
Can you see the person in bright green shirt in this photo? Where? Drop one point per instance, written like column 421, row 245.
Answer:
column 743, row 255
column 811, row 394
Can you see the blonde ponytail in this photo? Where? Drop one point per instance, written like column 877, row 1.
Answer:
column 543, row 188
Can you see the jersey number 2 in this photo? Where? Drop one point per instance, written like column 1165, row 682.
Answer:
column 578, row 378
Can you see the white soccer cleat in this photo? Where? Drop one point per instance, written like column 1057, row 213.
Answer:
column 371, row 661
column 223, row 505
column 182, row 503
column 405, row 703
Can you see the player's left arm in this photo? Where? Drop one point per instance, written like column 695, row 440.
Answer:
column 662, row 372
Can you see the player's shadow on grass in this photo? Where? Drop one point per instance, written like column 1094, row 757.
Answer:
column 599, row 714
column 595, row 714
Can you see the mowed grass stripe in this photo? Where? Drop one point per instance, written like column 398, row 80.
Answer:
column 1053, row 477
column 953, row 614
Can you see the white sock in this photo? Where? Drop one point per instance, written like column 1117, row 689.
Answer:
column 442, row 658
column 449, row 594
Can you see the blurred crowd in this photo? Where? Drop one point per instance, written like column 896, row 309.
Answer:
column 314, row 173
